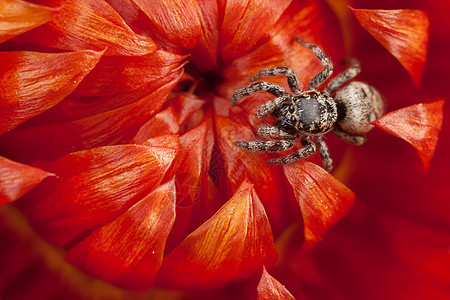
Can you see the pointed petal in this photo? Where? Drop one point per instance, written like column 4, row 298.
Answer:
column 240, row 164
column 322, row 198
column 269, row 288
column 84, row 24
column 177, row 21
column 231, row 245
column 419, row 125
column 17, row 179
column 122, row 74
column 17, row 17
column 115, row 126
column 186, row 104
column 128, row 251
column 403, row 32
column 245, row 23
column 94, row 187
column 164, row 122
column 34, row 82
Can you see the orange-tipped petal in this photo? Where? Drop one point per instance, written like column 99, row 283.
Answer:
column 231, row 245
column 245, row 23
column 403, row 32
column 177, row 21
column 17, row 179
column 128, row 252
column 322, row 198
column 269, row 288
column 89, row 24
column 240, row 163
column 163, row 123
column 17, row 17
column 33, row 82
column 122, row 74
column 419, row 125
column 114, row 126
column 93, row 187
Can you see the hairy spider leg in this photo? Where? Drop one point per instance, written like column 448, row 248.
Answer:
column 264, row 86
column 273, row 131
column 345, row 76
column 349, row 138
column 270, row 106
column 324, row 153
column 325, row 61
column 274, row 146
column 309, row 148
column 290, row 76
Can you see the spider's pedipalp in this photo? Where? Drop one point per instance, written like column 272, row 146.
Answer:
column 324, row 60
column 270, row 106
column 290, row 76
column 273, row 146
column 263, row 86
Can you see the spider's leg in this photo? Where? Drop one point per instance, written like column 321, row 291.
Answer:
column 268, row 107
column 325, row 61
column 290, row 76
column 264, row 86
column 274, row 146
column 324, row 153
column 345, row 76
column 309, row 148
column 352, row 139
column 273, row 131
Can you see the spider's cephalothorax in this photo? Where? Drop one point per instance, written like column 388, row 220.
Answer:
column 308, row 115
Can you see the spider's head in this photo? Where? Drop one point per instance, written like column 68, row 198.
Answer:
column 310, row 113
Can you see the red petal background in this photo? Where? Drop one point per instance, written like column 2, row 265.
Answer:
column 231, row 245
column 129, row 250
column 34, row 82
column 93, row 187
column 16, row 179
column 419, row 125
column 404, row 32
column 18, row 16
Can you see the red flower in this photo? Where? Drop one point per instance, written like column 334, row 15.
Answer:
column 117, row 144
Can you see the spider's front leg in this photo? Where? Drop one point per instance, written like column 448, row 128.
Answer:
column 273, row 131
column 264, row 86
column 325, row 61
column 270, row 106
column 309, row 148
column 273, row 146
column 290, row 76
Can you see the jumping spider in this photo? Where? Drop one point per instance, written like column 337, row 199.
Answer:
column 308, row 115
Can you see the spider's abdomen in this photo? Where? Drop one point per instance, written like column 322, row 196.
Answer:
column 358, row 104
column 316, row 112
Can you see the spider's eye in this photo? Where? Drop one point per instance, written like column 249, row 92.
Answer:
column 291, row 108
column 293, row 119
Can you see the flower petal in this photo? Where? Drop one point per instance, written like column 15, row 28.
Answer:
column 114, row 126
column 89, row 24
column 121, row 74
column 94, row 187
column 128, row 251
column 419, row 125
column 17, row 16
column 245, row 23
column 269, row 288
column 177, row 21
column 403, row 32
column 239, row 164
column 163, row 123
column 322, row 198
column 34, row 82
column 231, row 245
column 17, row 179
